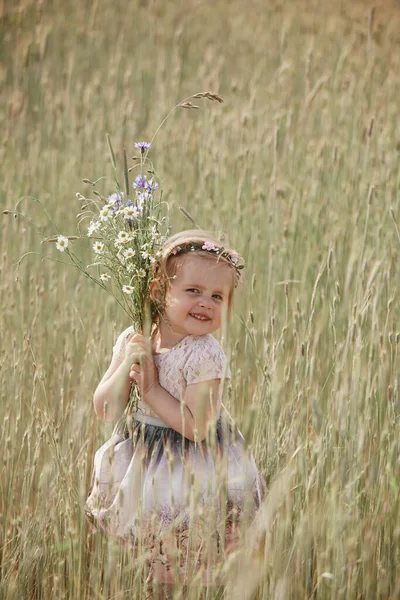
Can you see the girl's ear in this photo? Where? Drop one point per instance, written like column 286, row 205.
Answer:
column 155, row 292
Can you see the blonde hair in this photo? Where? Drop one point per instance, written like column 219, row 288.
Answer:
column 170, row 262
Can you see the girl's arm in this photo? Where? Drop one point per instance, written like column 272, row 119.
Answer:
column 188, row 417
column 112, row 393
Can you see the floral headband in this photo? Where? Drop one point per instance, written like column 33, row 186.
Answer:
column 231, row 256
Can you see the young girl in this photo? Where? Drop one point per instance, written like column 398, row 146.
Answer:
column 182, row 462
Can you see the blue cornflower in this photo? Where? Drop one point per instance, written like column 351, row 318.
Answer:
column 142, row 146
column 140, row 182
column 151, row 186
column 115, row 198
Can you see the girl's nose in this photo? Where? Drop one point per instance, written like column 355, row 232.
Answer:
column 205, row 303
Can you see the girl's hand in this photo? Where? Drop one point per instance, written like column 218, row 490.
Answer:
column 143, row 370
column 134, row 348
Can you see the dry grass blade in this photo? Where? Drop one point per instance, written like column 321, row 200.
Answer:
column 316, row 89
column 54, row 239
column 188, row 105
column 188, row 216
column 395, row 223
column 248, row 565
column 209, row 95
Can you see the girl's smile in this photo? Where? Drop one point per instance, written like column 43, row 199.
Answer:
column 197, row 299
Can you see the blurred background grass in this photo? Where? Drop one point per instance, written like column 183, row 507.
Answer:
column 299, row 167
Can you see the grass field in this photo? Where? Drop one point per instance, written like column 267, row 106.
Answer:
column 300, row 167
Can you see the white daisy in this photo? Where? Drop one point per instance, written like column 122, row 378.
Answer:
column 145, row 254
column 62, row 243
column 129, row 253
column 127, row 289
column 123, row 236
column 105, row 277
column 105, row 213
column 118, row 243
column 130, row 268
column 98, row 247
column 130, row 212
column 141, row 273
column 94, row 226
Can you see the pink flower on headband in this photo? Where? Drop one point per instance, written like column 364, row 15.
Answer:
column 209, row 246
column 176, row 250
column 234, row 257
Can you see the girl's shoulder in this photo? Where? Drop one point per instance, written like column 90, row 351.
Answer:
column 205, row 359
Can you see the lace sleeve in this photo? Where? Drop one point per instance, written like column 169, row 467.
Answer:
column 206, row 361
column 120, row 344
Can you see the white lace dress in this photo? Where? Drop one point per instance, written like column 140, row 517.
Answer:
column 152, row 479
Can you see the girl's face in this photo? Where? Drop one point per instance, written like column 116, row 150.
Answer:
column 198, row 298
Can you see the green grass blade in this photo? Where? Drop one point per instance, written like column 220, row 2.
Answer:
column 112, row 155
column 126, row 175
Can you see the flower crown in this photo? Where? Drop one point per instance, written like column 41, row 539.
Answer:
column 231, row 256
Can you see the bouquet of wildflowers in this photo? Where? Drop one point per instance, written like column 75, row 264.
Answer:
column 126, row 230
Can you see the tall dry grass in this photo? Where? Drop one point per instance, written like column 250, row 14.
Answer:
column 300, row 168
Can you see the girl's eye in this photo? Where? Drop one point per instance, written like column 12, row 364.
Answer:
column 217, row 296
column 194, row 290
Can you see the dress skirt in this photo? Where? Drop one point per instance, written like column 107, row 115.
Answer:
column 152, row 483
